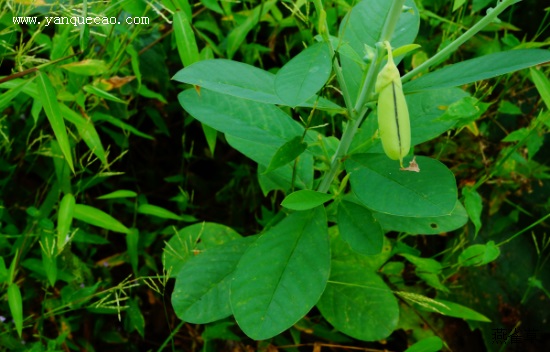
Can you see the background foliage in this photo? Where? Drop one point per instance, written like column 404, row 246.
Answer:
column 106, row 179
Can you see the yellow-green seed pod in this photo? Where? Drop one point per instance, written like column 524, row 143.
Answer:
column 393, row 115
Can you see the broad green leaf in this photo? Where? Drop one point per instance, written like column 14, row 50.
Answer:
column 286, row 153
column 474, row 206
column 479, row 68
column 282, row 275
column 232, row 78
column 97, row 116
column 356, row 300
column 16, row 306
column 87, row 67
column 456, row 310
column 429, row 344
column 201, row 291
column 121, row 193
column 157, row 211
column 305, row 199
column 64, row 219
column 363, row 26
column 431, row 225
column 185, row 38
column 240, row 117
column 381, row 186
column 479, row 254
column 190, row 240
column 359, row 228
column 299, row 175
column 240, row 80
column 543, row 85
column 303, row 76
column 96, row 217
column 102, row 94
column 47, row 95
column 257, row 130
column 87, row 132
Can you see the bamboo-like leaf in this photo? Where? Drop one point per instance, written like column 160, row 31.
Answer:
column 16, row 306
column 132, row 239
column 64, row 219
column 87, row 132
column 543, row 85
column 157, row 211
column 102, row 94
column 185, row 39
column 121, row 193
column 49, row 101
column 96, row 217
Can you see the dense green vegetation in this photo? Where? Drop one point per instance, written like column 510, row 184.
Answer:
column 210, row 176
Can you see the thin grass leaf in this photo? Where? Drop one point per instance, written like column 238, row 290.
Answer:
column 16, row 307
column 96, row 217
column 49, row 101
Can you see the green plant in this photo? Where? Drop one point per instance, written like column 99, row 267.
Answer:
column 104, row 177
column 268, row 282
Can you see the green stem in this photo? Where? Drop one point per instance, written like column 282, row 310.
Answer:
column 359, row 110
column 448, row 50
column 323, row 30
column 524, row 230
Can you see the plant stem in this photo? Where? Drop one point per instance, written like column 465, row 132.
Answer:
column 448, row 50
column 359, row 110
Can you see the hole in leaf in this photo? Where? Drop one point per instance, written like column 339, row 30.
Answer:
column 433, row 225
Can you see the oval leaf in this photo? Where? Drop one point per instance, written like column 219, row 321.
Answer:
column 479, row 254
column 185, row 244
column 305, row 199
column 431, row 225
column 96, row 217
column 381, row 186
column 429, row 344
column 232, row 78
column 287, row 153
column 480, row 68
column 359, row 228
column 304, row 75
column 357, row 301
column 282, row 275
column 201, row 291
